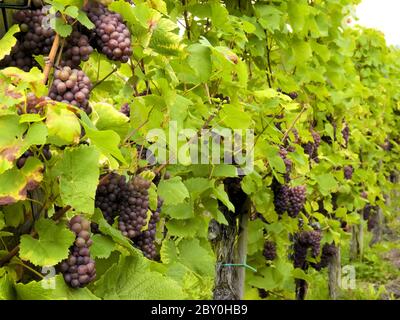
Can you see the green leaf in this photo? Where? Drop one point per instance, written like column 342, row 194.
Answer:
column 235, row 117
column 63, row 126
column 8, row 41
column 196, row 257
column 107, row 142
column 173, row 191
column 61, row 27
column 183, row 210
column 115, row 234
column 110, row 119
column 51, row 247
column 72, row 11
column 221, row 195
column 51, row 288
column 84, row 20
column 6, row 286
column 78, row 177
column 102, row 246
column 327, row 183
column 14, row 183
column 200, row 60
column 131, row 279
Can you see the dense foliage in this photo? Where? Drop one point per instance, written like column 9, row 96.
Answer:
column 321, row 96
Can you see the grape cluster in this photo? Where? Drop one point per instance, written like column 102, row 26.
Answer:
column 111, row 36
column 288, row 163
column 18, row 57
column 288, row 199
column 36, row 37
column 77, row 49
column 71, row 86
column 269, row 251
column 304, row 241
column 126, row 109
column 346, row 134
column 79, row 269
column 108, row 195
column 370, row 214
column 27, row 154
column 33, row 104
column 348, row 172
column 311, row 148
column 328, row 252
column 134, row 206
column 145, row 241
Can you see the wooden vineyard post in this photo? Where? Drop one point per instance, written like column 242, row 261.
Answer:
column 334, row 275
column 377, row 230
column 230, row 246
column 356, row 244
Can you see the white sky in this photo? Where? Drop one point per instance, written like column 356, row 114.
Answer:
column 383, row 15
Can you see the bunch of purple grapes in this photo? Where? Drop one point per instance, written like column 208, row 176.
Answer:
column 133, row 207
column 77, row 49
column 348, row 172
column 79, row 269
column 329, row 250
column 36, row 37
column 146, row 240
column 269, row 251
column 29, row 153
column 288, row 163
column 111, row 36
column 32, row 105
column 108, row 195
column 346, row 134
column 306, row 241
column 71, row 86
column 311, row 148
column 288, row 199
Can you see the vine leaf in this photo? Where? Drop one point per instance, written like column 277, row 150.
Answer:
column 14, row 183
column 78, row 173
column 173, row 191
column 110, row 119
column 116, row 235
column 102, row 246
column 106, row 141
column 51, row 247
column 63, row 126
column 6, row 286
column 53, row 288
column 8, row 41
column 131, row 279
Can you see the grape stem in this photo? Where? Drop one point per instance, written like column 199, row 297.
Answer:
column 293, row 123
column 52, row 56
column 102, row 80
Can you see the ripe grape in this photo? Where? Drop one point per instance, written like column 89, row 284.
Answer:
column 288, row 163
column 111, row 36
column 288, row 199
column 71, row 86
column 46, row 154
column 108, row 195
column 126, row 109
column 346, row 134
column 269, row 250
column 134, row 206
column 77, row 49
column 348, row 172
column 145, row 241
column 304, row 241
column 79, row 269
